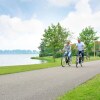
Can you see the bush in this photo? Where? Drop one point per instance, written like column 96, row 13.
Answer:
column 58, row 54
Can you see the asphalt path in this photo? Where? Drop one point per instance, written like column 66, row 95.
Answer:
column 45, row 84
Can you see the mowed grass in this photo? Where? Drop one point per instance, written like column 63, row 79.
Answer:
column 48, row 64
column 23, row 68
column 90, row 90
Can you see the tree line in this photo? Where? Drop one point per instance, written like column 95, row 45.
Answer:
column 55, row 36
column 18, row 51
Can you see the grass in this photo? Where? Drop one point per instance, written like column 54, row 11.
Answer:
column 23, row 68
column 48, row 59
column 87, row 91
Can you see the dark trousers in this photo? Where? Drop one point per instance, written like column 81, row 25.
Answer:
column 82, row 53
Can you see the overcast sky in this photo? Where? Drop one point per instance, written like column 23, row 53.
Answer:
column 22, row 22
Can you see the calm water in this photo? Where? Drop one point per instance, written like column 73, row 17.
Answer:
column 18, row 59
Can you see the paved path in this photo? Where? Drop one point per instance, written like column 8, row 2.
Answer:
column 45, row 84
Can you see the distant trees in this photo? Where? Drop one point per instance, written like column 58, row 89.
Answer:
column 18, row 51
column 53, row 40
column 97, row 45
column 97, row 48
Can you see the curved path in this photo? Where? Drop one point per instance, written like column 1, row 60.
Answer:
column 45, row 84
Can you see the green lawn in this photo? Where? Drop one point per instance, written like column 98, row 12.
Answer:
column 23, row 68
column 87, row 91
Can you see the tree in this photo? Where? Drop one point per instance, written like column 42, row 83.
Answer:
column 73, row 47
column 42, row 49
column 97, row 45
column 97, row 48
column 54, row 39
column 88, row 36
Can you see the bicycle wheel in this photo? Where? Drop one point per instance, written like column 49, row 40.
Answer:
column 80, row 60
column 77, row 61
column 69, row 61
column 81, row 65
column 76, row 64
column 63, row 61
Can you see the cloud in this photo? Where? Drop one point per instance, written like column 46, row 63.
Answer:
column 16, row 33
column 61, row 3
column 20, row 34
column 82, row 17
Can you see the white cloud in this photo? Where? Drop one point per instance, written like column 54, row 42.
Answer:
column 20, row 34
column 62, row 2
column 82, row 17
column 83, row 7
column 16, row 33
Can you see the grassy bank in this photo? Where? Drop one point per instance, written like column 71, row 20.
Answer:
column 87, row 91
column 23, row 68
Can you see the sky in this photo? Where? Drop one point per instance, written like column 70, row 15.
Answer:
column 22, row 22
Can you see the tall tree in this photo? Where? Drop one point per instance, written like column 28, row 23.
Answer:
column 54, row 38
column 42, row 49
column 88, row 36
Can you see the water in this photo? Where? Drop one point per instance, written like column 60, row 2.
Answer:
column 18, row 59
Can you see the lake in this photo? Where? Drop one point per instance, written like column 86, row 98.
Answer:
column 18, row 59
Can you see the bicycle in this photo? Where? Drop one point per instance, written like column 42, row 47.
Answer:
column 79, row 60
column 65, row 60
column 87, row 56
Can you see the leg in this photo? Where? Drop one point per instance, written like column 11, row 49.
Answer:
column 66, row 57
column 82, row 55
column 69, row 58
column 69, row 55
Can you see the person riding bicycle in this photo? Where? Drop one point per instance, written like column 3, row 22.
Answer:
column 67, row 50
column 80, row 48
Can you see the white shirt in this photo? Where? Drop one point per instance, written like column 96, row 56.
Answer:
column 80, row 46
